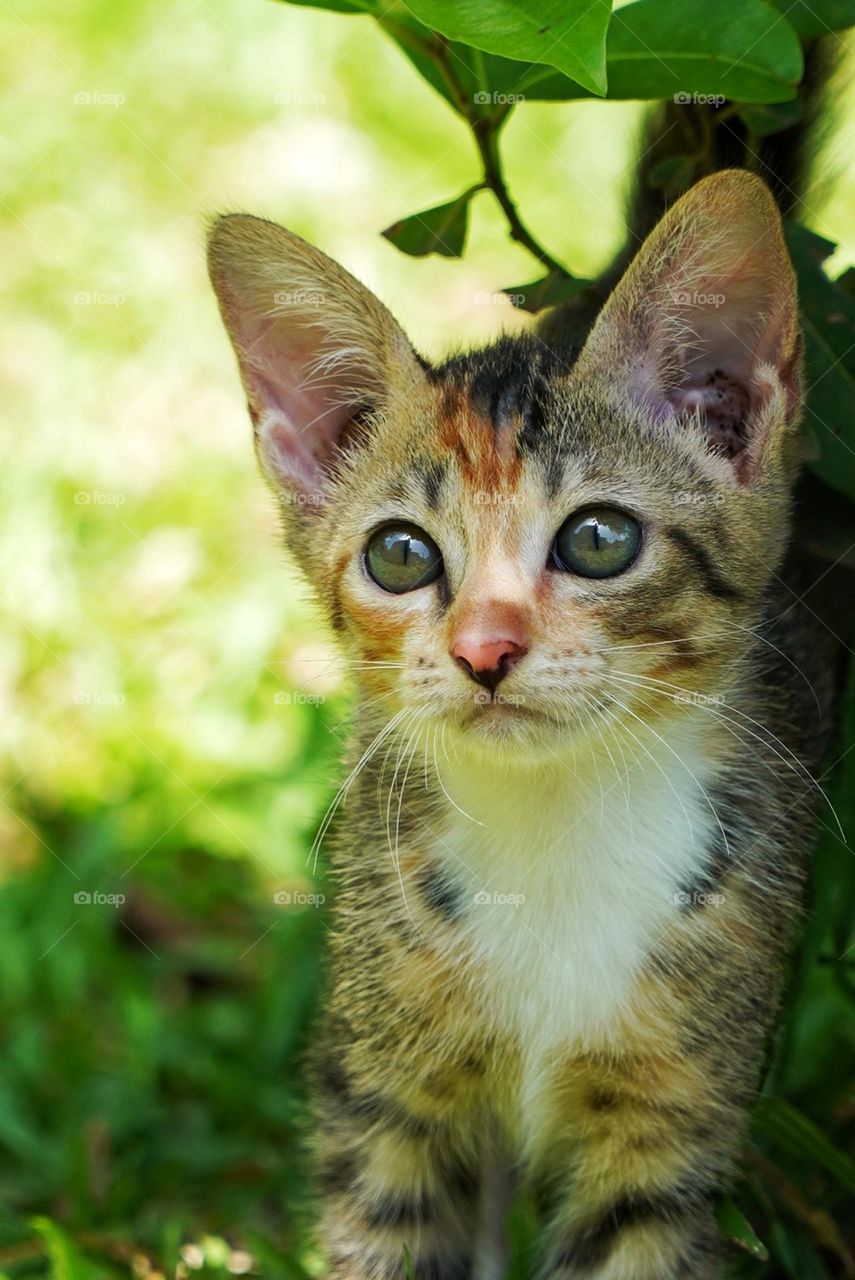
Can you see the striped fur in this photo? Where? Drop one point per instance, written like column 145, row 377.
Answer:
column 562, row 909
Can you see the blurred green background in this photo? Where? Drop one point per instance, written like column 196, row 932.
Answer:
column 172, row 712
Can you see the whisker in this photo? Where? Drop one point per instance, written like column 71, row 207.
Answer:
column 394, row 850
column 657, row 644
column 345, row 787
column 798, row 766
column 690, row 772
column 450, row 800
column 785, row 656
column 654, row 761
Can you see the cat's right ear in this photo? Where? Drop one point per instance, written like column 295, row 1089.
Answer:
column 704, row 324
column 317, row 350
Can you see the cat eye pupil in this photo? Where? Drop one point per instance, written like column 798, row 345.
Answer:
column 597, row 543
column 402, row 557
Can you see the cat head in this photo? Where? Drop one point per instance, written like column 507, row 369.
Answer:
column 517, row 543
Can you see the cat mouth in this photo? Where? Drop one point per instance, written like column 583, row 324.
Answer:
column 491, row 708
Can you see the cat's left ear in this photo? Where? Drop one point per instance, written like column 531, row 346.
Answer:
column 704, row 324
column 317, row 350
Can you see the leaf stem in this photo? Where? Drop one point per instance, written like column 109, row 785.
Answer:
column 486, row 134
column 486, row 126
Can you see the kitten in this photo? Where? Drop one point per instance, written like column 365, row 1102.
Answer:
column 579, row 807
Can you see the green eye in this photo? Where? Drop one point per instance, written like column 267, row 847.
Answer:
column 401, row 557
column 597, row 543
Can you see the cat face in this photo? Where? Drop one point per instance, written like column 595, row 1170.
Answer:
column 518, row 544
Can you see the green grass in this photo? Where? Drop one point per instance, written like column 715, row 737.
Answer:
column 171, row 717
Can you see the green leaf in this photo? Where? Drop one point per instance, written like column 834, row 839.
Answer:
column 567, row 34
column 828, row 322
column 484, row 79
column 469, row 77
column 673, row 174
column 794, row 1133
column 66, row 1261
column 771, row 117
column 408, row 1264
column 797, row 1256
column 336, row 6
column 441, row 229
column 546, row 292
column 817, row 17
column 733, row 1223
column 738, row 49
column 413, row 40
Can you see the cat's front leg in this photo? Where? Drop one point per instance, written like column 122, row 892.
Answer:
column 399, row 1170
column 639, row 1234
column 633, row 1167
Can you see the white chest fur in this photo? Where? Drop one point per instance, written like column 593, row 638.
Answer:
column 571, row 872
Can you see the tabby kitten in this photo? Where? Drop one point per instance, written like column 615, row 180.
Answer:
column 578, row 807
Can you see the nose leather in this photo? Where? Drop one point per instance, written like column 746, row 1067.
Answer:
column 487, row 661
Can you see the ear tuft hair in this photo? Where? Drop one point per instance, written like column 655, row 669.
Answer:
column 704, row 324
column 316, row 349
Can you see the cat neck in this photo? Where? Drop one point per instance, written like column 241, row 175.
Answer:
column 619, row 764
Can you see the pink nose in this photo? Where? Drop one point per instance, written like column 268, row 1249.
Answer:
column 487, row 661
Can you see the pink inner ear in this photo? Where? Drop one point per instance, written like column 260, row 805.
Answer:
column 715, row 332
column 301, row 398
column 316, row 349
column 298, row 424
column 724, row 405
